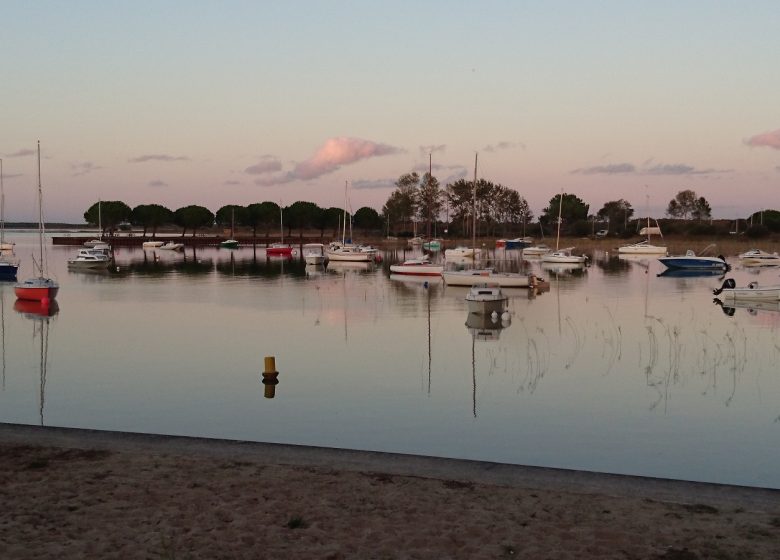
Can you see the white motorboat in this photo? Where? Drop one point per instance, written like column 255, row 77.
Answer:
column 481, row 275
column 314, row 253
column 484, row 299
column 536, row 250
column 752, row 291
column 757, row 257
column 89, row 258
column 152, row 244
column 462, row 252
column 171, row 246
column 564, row 256
column 418, row 267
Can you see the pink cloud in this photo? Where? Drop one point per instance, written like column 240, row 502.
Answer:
column 768, row 139
column 334, row 153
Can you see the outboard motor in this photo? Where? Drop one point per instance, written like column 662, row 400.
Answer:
column 727, row 310
column 728, row 284
column 728, row 266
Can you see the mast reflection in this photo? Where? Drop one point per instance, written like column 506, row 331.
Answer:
column 41, row 314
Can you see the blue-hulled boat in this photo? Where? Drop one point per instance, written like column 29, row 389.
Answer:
column 691, row 261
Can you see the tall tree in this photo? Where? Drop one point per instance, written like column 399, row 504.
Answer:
column 151, row 216
column 687, row 205
column 193, row 217
column 368, row 219
column 231, row 215
column 263, row 215
column 574, row 209
column 301, row 215
column 109, row 213
column 617, row 213
column 429, row 201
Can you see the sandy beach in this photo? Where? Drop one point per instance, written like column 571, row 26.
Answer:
column 85, row 494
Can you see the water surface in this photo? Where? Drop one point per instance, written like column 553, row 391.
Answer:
column 615, row 369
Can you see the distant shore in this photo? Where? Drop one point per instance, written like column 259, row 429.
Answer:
column 677, row 244
column 90, row 494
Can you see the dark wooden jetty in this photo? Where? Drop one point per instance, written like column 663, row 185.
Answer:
column 188, row 240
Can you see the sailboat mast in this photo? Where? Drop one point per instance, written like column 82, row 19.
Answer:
column 344, row 225
column 474, row 208
column 40, row 210
column 428, row 195
column 2, row 205
column 560, row 209
column 100, row 221
column 281, row 222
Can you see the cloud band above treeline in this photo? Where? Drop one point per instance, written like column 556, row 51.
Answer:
column 657, row 169
column 334, row 153
column 766, row 139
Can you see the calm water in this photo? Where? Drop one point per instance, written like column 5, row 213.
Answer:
column 614, row 369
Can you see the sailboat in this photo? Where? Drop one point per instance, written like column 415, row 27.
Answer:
column 9, row 264
column 40, row 288
column 562, row 256
column 347, row 251
column 280, row 249
column 645, row 247
column 230, row 243
column 99, row 243
column 473, row 276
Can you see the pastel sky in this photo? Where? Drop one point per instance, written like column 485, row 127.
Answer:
column 214, row 103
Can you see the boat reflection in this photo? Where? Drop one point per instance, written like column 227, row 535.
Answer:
column 486, row 327
column 690, row 273
column 36, row 309
column 341, row 267
column 752, row 307
column 565, row 270
column 41, row 314
column 253, row 266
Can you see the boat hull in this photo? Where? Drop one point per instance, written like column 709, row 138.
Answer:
column 37, row 289
column 417, row 270
column 8, row 271
column 641, row 250
column 705, row 263
column 350, row 256
column 279, row 251
column 473, row 277
column 87, row 264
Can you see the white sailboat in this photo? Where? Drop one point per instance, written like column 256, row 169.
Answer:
column 645, row 247
column 562, row 256
column 474, row 276
column 9, row 264
column 348, row 251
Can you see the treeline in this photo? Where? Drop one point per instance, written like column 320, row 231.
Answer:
column 418, row 205
column 262, row 217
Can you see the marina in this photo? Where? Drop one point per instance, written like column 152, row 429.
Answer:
column 611, row 369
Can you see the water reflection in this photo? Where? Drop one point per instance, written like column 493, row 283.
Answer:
column 690, row 273
column 483, row 329
column 40, row 313
column 753, row 307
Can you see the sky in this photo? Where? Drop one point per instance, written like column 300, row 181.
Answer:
column 236, row 102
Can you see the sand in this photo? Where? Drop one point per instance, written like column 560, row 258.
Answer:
column 82, row 494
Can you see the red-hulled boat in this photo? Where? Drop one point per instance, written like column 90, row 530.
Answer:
column 279, row 250
column 40, row 289
column 37, row 289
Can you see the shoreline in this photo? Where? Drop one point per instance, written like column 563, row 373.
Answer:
column 261, row 500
